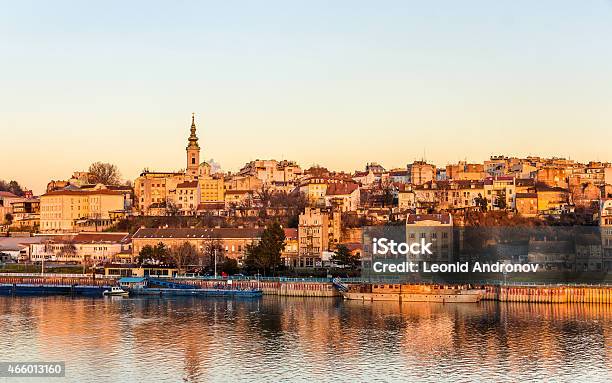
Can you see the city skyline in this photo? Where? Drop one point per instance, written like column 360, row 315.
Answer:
column 40, row 189
column 316, row 83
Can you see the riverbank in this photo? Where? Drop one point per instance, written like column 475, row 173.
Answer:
column 531, row 293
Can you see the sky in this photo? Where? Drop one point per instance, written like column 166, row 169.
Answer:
column 335, row 83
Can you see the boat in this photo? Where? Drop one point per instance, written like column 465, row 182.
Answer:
column 411, row 293
column 162, row 287
column 51, row 289
column 227, row 293
column 116, row 291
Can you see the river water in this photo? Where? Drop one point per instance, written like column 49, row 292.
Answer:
column 306, row 340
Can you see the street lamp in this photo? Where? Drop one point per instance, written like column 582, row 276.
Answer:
column 215, row 252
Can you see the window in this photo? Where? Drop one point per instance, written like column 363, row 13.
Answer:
column 193, row 160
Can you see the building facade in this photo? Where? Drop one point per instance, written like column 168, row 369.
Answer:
column 318, row 232
column 64, row 211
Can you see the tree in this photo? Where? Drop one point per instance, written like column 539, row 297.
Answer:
column 501, row 200
column 266, row 255
column 8, row 217
column 212, row 246
column 172, row 209
column 387, row 193
column 481, row 202
column 158, row 254
column 230, row 266
column 103, row 173
column 11, row 187
column 146, row 253
column 343, row 257
column 265, row 196
column 183, row 256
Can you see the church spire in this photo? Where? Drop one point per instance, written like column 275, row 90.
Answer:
column 193, row 151
column 193, row 139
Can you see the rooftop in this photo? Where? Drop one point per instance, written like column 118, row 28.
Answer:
column 8, row 194
column 100, row 237
column 188, row 184
column 82, row 192
column 442, row 218
column 187, row 233
column 341, row 188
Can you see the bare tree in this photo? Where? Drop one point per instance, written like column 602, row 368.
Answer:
column 68, row 250
column 211, row 246
column 184, row 255
column 103, row 173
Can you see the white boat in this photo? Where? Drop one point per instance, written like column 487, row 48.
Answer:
column 116, row 291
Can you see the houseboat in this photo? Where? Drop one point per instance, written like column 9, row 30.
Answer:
column 411, row 293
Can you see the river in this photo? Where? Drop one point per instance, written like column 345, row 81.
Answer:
column 306, row 340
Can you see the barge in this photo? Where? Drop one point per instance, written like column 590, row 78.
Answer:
column 411, row 293
column 48, row 289
column 229, row 293
column 159, row 287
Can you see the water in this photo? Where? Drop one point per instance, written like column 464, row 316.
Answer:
column 306, row 340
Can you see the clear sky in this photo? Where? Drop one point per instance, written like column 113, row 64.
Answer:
column 337, row 83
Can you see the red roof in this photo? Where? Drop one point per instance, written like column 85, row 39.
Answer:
column 341, row 188
column 291, row 233
column 8, row 194
column 188, row 184
column 99, row 237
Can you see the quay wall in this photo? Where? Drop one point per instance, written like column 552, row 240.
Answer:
column 549, row 294
column 296, row 289
column 530, row 294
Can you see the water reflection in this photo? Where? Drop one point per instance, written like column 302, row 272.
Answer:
column 307, row 339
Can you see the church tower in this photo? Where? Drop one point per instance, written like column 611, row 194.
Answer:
column 193, row 151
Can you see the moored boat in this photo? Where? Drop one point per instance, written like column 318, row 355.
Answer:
column 116, row 291
column 411, row 293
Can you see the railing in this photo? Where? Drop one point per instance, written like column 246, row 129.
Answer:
column 55, row 275
column 255, row 277
column 388, row 280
